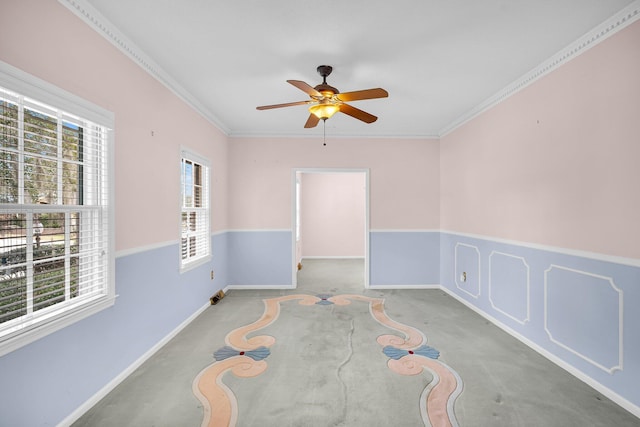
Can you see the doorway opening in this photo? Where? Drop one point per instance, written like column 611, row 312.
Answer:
column 330, row 216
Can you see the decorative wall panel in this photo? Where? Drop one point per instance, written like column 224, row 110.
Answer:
column 509, row 286
column 467, row 269
column 579, row 309
column 583, row 314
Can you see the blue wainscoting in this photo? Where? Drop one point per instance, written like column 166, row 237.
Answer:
column 260, row 258
column 467, row 269
column 509, row 286
column 404, row 258
column 581, row 310
column 52, row 378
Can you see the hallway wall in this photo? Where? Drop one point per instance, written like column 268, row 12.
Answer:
column 47, row 380
column 404, row 204
column 333, row 215
column 555, row 164
column 539, row 211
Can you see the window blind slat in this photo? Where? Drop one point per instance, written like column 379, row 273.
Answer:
column 194, row 242
column 54, row 225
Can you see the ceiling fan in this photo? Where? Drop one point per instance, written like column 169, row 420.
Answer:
column 327, row 100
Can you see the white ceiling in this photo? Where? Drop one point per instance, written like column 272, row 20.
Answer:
column 439, row 60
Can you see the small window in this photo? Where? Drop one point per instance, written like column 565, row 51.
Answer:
column 56, row 266
column 195, row 245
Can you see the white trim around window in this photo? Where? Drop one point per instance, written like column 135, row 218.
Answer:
column 195, row 210
column 57, row 154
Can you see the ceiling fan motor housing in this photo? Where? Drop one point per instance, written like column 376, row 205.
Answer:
column 326, row 90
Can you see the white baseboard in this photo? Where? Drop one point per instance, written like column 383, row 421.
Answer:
column 75, row 415
column 289, row 287
column 332, row 257
column 392, row 287
column 615, row 397
column 258, row 287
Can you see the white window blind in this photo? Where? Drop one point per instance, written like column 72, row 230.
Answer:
column 55, row 258
column 194, row 237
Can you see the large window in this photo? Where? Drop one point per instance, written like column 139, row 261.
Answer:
column 55, row 252
column 195, row 246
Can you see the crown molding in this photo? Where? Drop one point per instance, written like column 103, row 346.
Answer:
column 94, row 19
column 617, row 22
column 333, row 136
column 109, row 31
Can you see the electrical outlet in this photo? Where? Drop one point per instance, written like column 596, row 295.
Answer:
column 213, row 274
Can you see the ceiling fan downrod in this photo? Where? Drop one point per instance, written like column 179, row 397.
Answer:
column 325, row 89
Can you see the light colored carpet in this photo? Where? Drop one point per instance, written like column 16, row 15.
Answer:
column 327, row 368
column 312, row 365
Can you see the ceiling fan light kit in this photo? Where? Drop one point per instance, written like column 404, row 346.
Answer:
column 324, row 109
column 326, row 100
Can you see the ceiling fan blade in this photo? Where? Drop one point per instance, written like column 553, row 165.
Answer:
column 362, row 94
column 309, row 90
column 357, row 113
column 312, row 121
column 288, row 104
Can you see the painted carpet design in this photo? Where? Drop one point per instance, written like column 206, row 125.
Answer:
column 246, row 357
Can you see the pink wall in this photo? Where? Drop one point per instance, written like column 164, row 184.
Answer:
column 333, row 214
column 557, row 163
column 74, row 57
column 404, row 178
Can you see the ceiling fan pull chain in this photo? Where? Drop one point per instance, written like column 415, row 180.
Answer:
column 324, row 133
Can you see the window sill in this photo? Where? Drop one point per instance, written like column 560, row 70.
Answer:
column 37, row 331
column 194, row 264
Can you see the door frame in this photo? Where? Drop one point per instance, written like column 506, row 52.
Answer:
column 294, row 219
